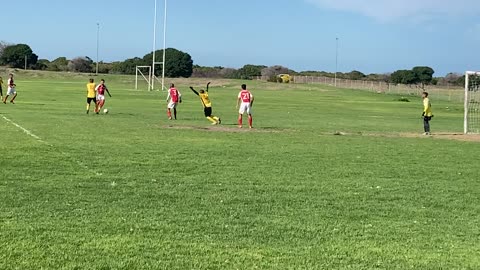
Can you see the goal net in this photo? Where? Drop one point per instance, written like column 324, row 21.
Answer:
column 472, row 102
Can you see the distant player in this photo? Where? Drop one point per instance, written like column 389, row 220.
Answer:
column 91, row 95
column 1, row 89
column 207, row 105
column 245, row 101
column 174, row 97
column 11, row 89
column 427, row 113
column 101, row 89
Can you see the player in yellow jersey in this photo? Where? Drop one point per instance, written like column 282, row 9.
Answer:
column 427, row 113
column 207, row 105
column 91, row 95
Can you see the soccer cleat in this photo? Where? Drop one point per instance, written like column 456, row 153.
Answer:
column 219, row 121
column 250, row 127
column 169, row 118
column 240, row 126
column 11, row 101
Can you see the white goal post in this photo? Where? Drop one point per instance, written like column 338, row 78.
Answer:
column 148, row 79
column 472, row 102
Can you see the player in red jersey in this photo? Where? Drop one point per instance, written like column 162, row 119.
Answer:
column 101, row 88
column 174, row 97
column 245, row 101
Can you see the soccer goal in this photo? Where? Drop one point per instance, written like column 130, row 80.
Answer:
column 140, row 73
column 472, row 102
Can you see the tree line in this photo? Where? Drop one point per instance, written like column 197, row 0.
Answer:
column 180, row 64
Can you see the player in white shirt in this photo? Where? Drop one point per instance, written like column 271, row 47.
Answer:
column 245, row 102
column 11, row 90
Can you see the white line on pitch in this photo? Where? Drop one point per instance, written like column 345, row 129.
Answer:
column 29, row 133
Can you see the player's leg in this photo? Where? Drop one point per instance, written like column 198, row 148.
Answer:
column 5, row 99
column 250, row 116
column 1, row 93
column 12, row 100
column 169, row 114
column 89, row 101
column 208, row 115
column 175, row 113
column 241, row 112
column 426, row 125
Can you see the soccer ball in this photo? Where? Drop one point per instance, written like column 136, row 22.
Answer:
column 105, row 111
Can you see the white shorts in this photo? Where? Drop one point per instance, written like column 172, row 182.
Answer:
column 11, row 91
column 245, row 107
column 172, row 105
column 100, row 98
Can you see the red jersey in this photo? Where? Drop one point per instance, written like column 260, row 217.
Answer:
column 245, row 96
column 11, row 82
column 174, row 95
column 101, row 89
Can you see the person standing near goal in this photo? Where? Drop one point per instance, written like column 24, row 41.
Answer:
column 427, row 113
column 11, row 90
column 1, row 89
column 245, row 101
column 207, row 105
column 101, row 88
column 174, row 97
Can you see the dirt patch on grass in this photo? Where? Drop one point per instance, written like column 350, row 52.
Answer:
column 440, row 135
column 229, row 129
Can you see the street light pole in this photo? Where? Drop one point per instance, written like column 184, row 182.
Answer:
column 336, row 61
column 98, row 45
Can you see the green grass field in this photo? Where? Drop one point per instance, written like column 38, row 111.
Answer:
column 131, row 190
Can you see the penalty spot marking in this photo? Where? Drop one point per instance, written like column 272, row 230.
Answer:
column 37, row 138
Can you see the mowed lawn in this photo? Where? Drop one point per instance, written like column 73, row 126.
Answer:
column 132, row 190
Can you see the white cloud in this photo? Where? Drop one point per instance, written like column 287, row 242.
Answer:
column 393, row 10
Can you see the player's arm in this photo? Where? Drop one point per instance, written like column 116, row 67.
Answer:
column 238, row 100
column 208, row 85
column 193, row 90
column 168, row 96
column 108, row 92
column 179, row 96
column 425, row 108
column 252, row 99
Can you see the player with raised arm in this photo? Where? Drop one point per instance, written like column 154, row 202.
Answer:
column 91, row 95
column 245, row 102
column 101, row 88
column 174, row 97
column 207, row 105
column 11, row 89
column 427, row 113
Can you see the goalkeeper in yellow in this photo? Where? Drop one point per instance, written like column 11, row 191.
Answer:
column 427, row 113
column 207, row 105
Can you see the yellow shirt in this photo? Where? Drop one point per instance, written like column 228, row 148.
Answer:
column 205, row 100
column 91, row 90
column 427, row 107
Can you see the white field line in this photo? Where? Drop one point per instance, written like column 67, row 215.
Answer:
column 29, row 133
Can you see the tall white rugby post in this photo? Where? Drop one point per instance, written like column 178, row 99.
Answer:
column 154, row 62
column 336, row 61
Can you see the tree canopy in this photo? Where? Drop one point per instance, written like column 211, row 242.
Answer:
column 14, row 56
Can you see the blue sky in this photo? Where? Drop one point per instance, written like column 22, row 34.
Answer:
column 375, row 36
